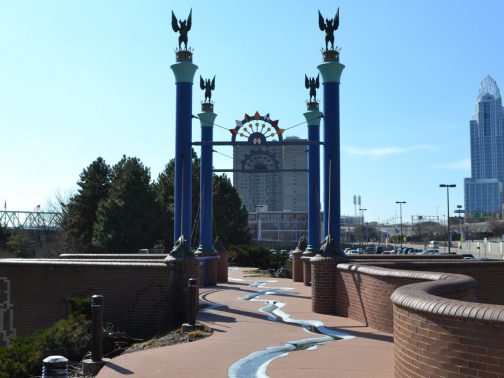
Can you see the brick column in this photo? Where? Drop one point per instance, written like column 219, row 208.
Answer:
column 323, row 284
column 307, row 255
column 184, row 268
column 209, row 269
column 297, row 266
column 222, row 263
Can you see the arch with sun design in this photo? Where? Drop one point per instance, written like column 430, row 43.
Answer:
column 257, row 130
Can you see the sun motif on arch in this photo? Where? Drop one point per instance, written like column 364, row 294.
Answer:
column 257, row 130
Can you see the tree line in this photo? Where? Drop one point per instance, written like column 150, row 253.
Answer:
column 118, row 209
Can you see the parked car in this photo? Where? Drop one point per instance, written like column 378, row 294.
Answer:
column 369, row 250
column 429, row 252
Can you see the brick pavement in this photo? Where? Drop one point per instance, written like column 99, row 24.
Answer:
column 240, row 329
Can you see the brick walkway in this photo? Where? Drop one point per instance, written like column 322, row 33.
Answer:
column 240, row 329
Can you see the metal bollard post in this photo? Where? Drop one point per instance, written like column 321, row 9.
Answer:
column 55, row 367
column 193, row 300
column 97, row 328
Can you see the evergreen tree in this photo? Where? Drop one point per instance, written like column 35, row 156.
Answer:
column 165, row 198
column 126, row 218
column 79, row 215
column 163, row 189
column 230, row 216
column 4, row 236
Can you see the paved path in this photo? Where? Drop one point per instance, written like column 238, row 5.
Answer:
column 241, row 329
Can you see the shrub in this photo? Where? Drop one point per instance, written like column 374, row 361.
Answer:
column 68, row 337
column 80, row 306
column 256, row 256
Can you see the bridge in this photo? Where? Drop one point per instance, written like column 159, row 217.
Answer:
column 31, row 220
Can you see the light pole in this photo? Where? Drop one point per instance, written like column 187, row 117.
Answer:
column 362, row 217
column 448, row 186
column 460, row 211
column 400, row 216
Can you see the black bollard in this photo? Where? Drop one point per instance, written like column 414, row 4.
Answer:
column 97, row 328
column 193, row 301
column 55, row 367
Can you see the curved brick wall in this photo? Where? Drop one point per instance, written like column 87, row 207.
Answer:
column 446, row 337
column 439, row 328
column 363, row 293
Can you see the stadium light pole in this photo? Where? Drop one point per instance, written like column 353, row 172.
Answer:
column 400, row 216
column 362, row 215
column 448, row 186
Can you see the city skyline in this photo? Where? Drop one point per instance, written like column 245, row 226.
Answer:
column 83, row 80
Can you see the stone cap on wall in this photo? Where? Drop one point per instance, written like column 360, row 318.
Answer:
column 80, row 262
column 113, row 256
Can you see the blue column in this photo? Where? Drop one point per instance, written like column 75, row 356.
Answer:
column 184, row 75
column 331, row 73
column 313, row 118
column 207, row 119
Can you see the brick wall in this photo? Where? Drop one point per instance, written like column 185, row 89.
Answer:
column 445, row 322
column 489, row 274
column 139, row 296
column 366, row 298
column 438, row 346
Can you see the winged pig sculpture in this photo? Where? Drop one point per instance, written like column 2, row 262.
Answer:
column 329, row 26
column 182, row 27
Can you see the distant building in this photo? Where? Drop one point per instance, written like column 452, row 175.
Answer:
column 286, row 226
column 270, row 191
column 484, row 190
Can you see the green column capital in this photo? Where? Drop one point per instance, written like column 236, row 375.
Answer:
column 313, row 117
column 184, row 72
column 331, row 71
column 207, row 118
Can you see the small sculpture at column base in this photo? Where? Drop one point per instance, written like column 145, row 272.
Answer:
column 328, row 249
column 181, row 249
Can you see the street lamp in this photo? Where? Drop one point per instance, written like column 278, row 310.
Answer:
column 448, row 186
column 400, row 215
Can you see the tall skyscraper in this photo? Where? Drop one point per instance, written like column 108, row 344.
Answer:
column 271, row 191
column 484, row 190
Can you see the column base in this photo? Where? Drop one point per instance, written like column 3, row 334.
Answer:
column 297, row 266
column 323, row 270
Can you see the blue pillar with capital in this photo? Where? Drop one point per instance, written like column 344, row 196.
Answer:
column 313, row 117
column 184, row 75
column 331, row 71
column 207, row 118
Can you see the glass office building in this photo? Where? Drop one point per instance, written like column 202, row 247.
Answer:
column 484, row 190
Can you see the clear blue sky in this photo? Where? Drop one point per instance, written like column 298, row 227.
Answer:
column 82, row 79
